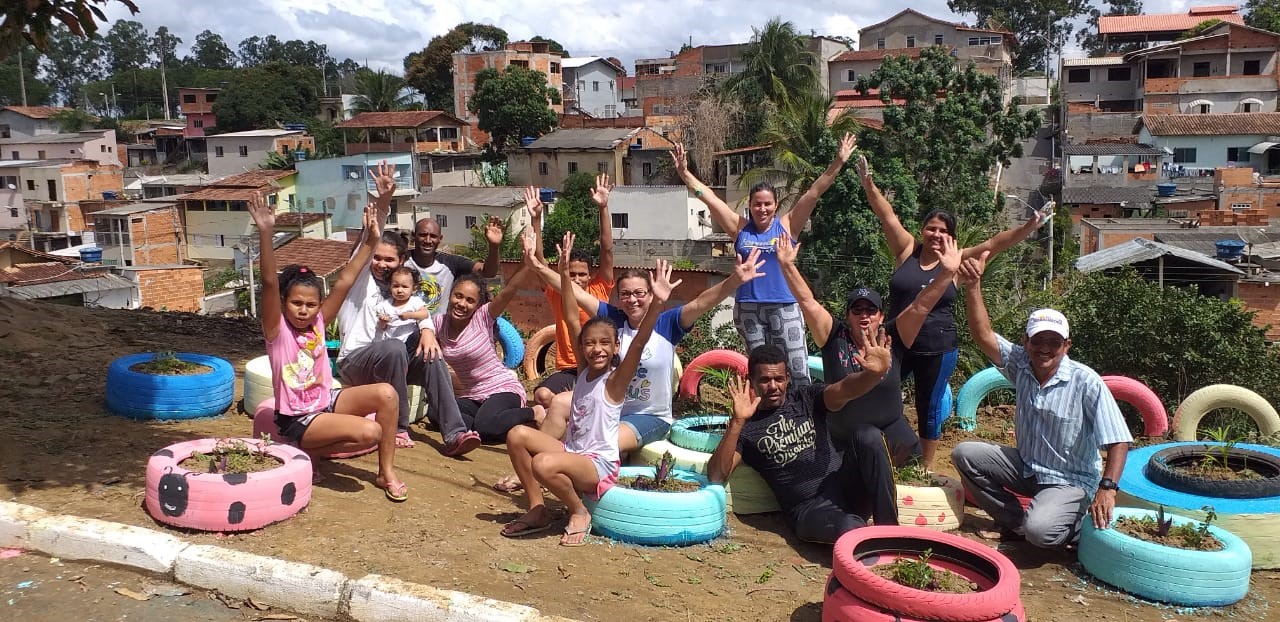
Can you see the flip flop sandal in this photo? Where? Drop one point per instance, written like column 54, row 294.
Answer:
column 403, row 441
column 398, row 492
column 569, row 534
column 528, row 530
column 509, row 483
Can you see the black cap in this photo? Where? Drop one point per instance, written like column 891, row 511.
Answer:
column 864, row 293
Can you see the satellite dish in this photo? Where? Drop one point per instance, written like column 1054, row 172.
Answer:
column 353, row 175
column 395, row 174
column 12, row 187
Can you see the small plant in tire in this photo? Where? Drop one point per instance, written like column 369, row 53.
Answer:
column 661, row 480
column 232, row 455
column 167, row 363
column 1160, row 530
column 918, row 574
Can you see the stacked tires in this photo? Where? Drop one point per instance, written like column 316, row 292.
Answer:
column 855, row 593
column 660, row 518
column 138, row 395
column 692, row 440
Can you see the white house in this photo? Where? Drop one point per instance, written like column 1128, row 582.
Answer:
column 1207, row 141
column 593, row 85
column 342, row 186
column 459, row 208
column 99, row 145
column 17, row 121
column 657, row 213
column 238, row 152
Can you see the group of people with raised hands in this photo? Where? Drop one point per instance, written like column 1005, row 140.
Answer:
column 826, row 447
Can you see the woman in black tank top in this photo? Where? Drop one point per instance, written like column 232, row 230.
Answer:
column 931, row 356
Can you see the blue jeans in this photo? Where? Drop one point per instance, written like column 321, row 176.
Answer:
column 646, row 428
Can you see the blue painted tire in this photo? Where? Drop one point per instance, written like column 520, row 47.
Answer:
column 815, row 368
column 974, row 390
column 512, row 343
column 147, row 396
column 686, row 433
column 659, row 518
column 1167, row 574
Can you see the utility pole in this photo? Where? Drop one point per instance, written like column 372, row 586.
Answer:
column 22, row 80
column 164, row 90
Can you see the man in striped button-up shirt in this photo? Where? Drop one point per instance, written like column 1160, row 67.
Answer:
column 1065, row 414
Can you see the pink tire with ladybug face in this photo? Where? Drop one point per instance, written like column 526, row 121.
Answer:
column 226, row 502
column 939, row 507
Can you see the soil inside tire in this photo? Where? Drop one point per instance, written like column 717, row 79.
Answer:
column 710, row 428
column 646, row 483
column 1146, row 529
column 181, row 368
column 943, row 581
column 221, row 462
column 1211, row 468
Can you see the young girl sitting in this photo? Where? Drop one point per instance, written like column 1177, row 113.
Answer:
column 398, row 315
column 587, row 461
column 310, row 413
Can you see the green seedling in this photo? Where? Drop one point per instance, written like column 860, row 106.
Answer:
column 916, row 573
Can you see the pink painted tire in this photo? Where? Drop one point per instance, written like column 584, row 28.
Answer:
column 1155, row 418
column 842, row 606
column 857, row 552
column 264, row 422
column 231, row 502
column 711, row 359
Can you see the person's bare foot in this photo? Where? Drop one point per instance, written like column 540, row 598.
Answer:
column 575, row 533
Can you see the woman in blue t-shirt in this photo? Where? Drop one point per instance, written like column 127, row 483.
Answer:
column 764, row 309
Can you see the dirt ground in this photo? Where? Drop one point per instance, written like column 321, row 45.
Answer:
column 61, row 451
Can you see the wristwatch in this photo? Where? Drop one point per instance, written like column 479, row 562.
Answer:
column 1108, row 484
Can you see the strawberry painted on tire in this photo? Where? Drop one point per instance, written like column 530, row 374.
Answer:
column 939, row 507
column 857, row 552
column 841, row 606
column 226, row 502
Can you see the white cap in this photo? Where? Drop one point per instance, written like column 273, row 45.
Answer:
column 1048, row 319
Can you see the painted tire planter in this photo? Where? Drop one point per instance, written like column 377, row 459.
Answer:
column 660, row 518
column 230, row 502
column 536, row 350
column 815, row 368
column 701, row 434
column 1155, row 419
column 149, row 396
column 1256, row 521
column 746, row 491
column 264, row 422
column 711, row 359
column 841, row 606
column 511, row 341
column 257, row 382
column 1163, row 573
column 974, row 390
column 1198, row 404
column 1162, row 469
column 857, row 552
column 939, row 507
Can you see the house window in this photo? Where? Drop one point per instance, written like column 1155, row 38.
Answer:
column 53, row 190
column 1119, row 74
column 1252, row 67
column 1078, row 75
column 985, row 40
column 198, row 123
column 14, row 155
column 448, row 133
column 646, row 169
column 542, row 168
column 469, row 221
column 31, row 184
column 4, row 131
column 595, row 86
column 555, row 67
column 1183, row 155
column 13, row 212
column 610, row 111
column 880, row 43
column 1204, row 108
column 937, row 39
column 442, row 220
column 619, row 221
column 211, row 97
column 1200, row 70
column 521, row 63
column 602, row 167
column 6, row 181
column 1249, row 107
column 573, row 167
column 273, row 199
column 911, row 41
column 349, row 172
column 850, row 75
column 1237, row 154
column 244, row 151
column 189, row 98
column 40, row 154
column 218, row 151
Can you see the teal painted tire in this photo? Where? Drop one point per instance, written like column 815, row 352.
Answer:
column 692, row 433
column 815, row 367
column 1167, row 574
column 746, row 492
column 512, row 343
column 974, row 390
column 138, row 395
column 659, row 518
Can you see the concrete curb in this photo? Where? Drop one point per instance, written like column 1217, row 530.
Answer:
column 298, row 587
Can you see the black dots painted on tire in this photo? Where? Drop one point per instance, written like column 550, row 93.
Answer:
column 235, row 479
column 235, row 513
column 288, row 494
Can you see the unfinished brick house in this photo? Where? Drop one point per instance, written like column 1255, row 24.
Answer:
column 536, row 55
column 140, row 234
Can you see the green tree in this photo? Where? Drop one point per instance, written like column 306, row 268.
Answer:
column 1264, row 14
column 72, row 120
column 796, row 130
column 210, row 52
column 268, row 94
column 777, row 62
column 164, row 47
column 513, row 104
column 478, row 247
column 431, row 69
column 34, row 21
column 70, row 61
column 379, row 91
column 1088, row 37
column 574, row 211
column 552, row 45
column 38, row 91
column 327, row 137
column 1034, row 23
column 127, row 46
column 1199, row 29
column 257, row 50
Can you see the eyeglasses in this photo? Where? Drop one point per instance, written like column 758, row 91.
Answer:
column 863, row 310
column 639, row 293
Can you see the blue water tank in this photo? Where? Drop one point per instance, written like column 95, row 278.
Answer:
column 110, row 195
column 299, row 156
column 1166, row 190
column 546, row 195
column 1229, row 249
column 91, row 254
column 527, row 140
column 295, row 127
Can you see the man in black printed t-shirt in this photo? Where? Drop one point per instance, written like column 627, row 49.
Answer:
column 782, row 432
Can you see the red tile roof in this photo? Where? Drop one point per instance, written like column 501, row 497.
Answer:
column 1167, row 22
column 35, row 112
column 293, row 219
column 221, row 194
column 398, row 120
column 21, row 274
column 1233, row 123
column 324, row 256
column 256, row 178
column 877, row 54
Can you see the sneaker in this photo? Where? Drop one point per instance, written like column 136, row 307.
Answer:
column 462, row 443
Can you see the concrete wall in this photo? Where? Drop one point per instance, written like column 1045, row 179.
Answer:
column 595, row 86
column 1082, row 127
column 22, row 125
column 100, row 147
column 1211, row 151
column 231, row 162
column 659, row 213
column 1100, row 86
column 467, row 65
column 453, row 220
column 525, row 168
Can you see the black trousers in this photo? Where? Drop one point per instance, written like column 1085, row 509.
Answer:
column 493, row 417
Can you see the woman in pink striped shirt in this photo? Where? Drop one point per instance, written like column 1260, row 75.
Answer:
column 491, row 398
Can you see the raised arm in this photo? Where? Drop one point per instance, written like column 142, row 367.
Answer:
column 875, row 357
column 794, row 220
column 900, row 240
column 726, row 457
column 540, row 270
column 265, row 218
column 615, row 388
column 976, row 309
column 346, row 278
column 573, row 324
column 912, row 318
column 533, row 205
column 744, row 271
column 493, row 234
column 729, row 221
column 816, row 317
column 600, row 195
column 1004, row 240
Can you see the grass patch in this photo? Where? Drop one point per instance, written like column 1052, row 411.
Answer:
column 167, row 363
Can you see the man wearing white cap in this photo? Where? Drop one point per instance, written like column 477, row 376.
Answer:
column 1065, row 414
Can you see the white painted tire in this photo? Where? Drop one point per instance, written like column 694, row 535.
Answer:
column 1214, row 396
column 257, row 382
column 940, row 507
column 746, row 491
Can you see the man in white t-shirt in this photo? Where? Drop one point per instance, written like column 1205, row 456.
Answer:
column 437, row 270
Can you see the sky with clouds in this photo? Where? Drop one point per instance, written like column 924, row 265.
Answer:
column 382, row 32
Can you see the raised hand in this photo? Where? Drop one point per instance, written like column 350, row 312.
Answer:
column 384, row 179
column 749, row 268
column 563, row 249
column 745, row 401
column 662, row 285
column 972, row 268
column 600, row 194
column 262, row 214
column 533, row 204
column 787, row 248
column 951, row 256
column 493, row 231
column 864, row 169
column 680, row 159
column 848, row 143
column 874, row 352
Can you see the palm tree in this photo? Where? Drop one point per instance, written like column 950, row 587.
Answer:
column 778, row 63
column 795, row 130
column 379, row 91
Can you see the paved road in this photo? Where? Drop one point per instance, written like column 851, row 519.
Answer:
column 34, row 588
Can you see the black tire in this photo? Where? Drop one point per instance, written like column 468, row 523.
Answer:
column 1162, row 469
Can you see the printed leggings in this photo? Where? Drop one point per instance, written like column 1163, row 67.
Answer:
column 780, row 324
column 932, row 373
